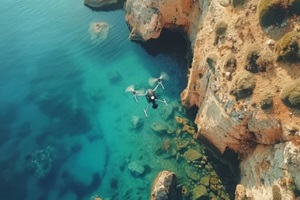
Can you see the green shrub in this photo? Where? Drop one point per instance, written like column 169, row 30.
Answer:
column 230, row 63
column 266, row 101
column 236, row 3
column 274, row 12
column 271, row 12
column 290, row 94
column 221, row 28
column 243, row 85
column 295, row 7
column 288, row 47
column 252, row 56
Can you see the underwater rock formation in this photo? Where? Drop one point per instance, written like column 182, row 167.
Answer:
column 40, row 162
column 164, row 187
column 98, row 31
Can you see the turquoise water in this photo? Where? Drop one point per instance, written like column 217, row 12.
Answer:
column 66, row 127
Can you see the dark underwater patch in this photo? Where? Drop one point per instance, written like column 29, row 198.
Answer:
column 77, row 187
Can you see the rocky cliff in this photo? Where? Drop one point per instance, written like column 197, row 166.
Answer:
column 244, row 80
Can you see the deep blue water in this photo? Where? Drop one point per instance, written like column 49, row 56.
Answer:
column 65, row 124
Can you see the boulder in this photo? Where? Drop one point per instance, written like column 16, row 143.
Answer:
column 192, row 155
column 200, row 192
column 164, row 187
column 159, row 127
column 192, row 173
column 137, row 168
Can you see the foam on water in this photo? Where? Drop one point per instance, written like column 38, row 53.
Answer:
column 50, row 71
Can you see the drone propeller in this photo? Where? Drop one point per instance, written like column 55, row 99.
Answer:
column 163, row 76
column 131, row 88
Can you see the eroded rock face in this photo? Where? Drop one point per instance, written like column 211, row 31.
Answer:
column 252, row 112
column 271, row 172
column 147, row 18
column 164, row 187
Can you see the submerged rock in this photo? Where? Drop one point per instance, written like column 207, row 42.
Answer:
column 159, row 127
column 137, row 168
column 192, row 173
column 40, row 162
column 192, row 155
column 136, row 122
column 200, row 192
column 98, row 31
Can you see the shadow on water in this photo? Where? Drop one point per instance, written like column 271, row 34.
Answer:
column 75, row 186
column 57, row 90
column 110, row 7
column 13, row 185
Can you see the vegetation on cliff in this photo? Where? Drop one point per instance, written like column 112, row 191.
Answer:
column 290, row 94
column 274, row 12
column 243, row 85
column 288, row 48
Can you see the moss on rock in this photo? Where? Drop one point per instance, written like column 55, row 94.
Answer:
column 200, row 192
column 288, row 47
column 295, row 7
column 290, row 94
column 243, row 85
column 230, row 63
column 266, row 101
column 251, row 59
column 271, row 12
column 274, row 12
column 236, row 3
column 221, row 28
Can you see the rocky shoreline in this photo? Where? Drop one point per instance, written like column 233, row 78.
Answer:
column 244, row 80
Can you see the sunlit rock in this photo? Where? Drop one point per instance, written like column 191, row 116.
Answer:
column 164, row 187
column 192, row 155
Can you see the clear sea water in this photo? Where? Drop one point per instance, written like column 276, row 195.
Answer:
column 57, row 95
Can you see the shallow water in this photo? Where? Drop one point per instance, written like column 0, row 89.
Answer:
column 60, row 107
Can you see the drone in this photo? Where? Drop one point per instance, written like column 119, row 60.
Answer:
column 150, row 93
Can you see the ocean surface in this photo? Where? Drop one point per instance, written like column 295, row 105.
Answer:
column 68, row 130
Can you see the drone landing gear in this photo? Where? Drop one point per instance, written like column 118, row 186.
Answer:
column 154, row 105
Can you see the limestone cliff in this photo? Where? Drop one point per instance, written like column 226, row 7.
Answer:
column 244, row 80
column 146, row 18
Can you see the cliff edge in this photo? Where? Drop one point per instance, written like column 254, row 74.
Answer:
column 244, row 80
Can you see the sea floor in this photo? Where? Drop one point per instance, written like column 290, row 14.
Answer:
column 68, row 130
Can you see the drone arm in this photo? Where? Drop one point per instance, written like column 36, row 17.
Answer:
column 134, row 95
column 145, row 110
column 163, row 101
column 156, row 86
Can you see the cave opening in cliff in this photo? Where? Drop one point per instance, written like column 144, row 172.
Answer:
column 172, row 43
